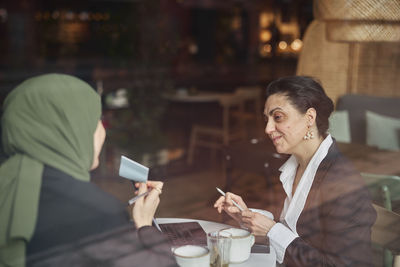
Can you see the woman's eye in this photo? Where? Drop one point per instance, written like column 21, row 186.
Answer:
column 277, row 117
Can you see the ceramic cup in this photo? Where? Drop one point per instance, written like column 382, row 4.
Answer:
column 219, row 244
column 242, row 241
column 192, row 256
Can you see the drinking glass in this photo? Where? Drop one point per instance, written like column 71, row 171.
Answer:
column 219, row 244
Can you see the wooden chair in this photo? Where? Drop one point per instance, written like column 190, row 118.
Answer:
column 384, row 189
column 386, row 232
column 216, row 137
column 252, row 109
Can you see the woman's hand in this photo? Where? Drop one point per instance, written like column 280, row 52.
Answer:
column 225, row 203
column 257, row 223
column 145, row 207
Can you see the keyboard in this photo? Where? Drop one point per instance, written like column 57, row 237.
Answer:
column 187, row 233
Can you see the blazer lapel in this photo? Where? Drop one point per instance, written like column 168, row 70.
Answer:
column 313, row 198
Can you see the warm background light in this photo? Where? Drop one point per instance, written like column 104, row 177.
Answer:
column 71, row 16
column 296, row 45
column 282, row 45
column 236, row 23
column 264, row 20
column 265, row 50
column 265, row 35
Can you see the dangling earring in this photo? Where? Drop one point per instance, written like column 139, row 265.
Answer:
column 309, row 135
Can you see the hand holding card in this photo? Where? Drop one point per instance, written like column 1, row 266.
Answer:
column 144, row 208
column 132, row 170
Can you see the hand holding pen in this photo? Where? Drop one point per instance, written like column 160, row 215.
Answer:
column 232, row 204
column 146, row 203
column 233, row 201
column 152, row 184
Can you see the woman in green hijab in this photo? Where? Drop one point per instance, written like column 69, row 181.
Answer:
column 52, row 134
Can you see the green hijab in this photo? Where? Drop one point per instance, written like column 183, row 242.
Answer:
column 49, row 119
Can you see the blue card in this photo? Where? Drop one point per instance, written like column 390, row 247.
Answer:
column 132, row 170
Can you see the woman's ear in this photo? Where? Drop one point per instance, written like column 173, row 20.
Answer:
column 98, row 141
column 311, row 116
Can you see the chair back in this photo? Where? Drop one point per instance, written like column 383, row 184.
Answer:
column 386, row 232
column 383, row 131
column 252, row 109
column 357, row 105
column 232, row 127
column 217, row 137
column 383, row 188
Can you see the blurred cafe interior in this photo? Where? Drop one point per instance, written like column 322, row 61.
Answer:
column 183, row 82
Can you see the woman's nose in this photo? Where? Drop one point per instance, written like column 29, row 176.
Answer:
column 270, row 127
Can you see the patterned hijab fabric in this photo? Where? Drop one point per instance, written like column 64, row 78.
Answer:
column 47, row 120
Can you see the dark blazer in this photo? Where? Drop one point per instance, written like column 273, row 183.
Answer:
column 335, row 226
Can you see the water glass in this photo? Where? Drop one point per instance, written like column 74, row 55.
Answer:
column 219, row 244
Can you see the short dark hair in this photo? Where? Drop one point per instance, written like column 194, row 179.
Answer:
column 305, row 92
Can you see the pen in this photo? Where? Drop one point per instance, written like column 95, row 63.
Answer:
column 133, row 200
column 156, row 225
column 234, row 202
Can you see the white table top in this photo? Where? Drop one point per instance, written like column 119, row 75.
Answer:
column 255, row 260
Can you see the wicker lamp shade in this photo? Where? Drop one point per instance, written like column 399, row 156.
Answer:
column 377, row 10
column 325, row 60
column 359, row 31
column 360, row 20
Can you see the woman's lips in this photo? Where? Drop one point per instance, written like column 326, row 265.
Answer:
column 275, row 139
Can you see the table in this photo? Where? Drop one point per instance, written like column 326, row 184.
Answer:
column 371, row 159
column 117, row 248
column 261, row 157
column 256, row 259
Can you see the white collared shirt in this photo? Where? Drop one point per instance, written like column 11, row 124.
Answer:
column 281, row 236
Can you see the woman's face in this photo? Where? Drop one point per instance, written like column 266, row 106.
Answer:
column 286, row 126
column 98, row 141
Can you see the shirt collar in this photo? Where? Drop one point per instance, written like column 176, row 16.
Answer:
column 288, row 174
column 289, row 168
column 322, row 151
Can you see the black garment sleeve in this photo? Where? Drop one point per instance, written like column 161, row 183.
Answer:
column 154, row 248
column 81, row 225
column 70, row 209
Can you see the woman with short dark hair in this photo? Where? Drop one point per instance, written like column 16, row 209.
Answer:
column 327, row 215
